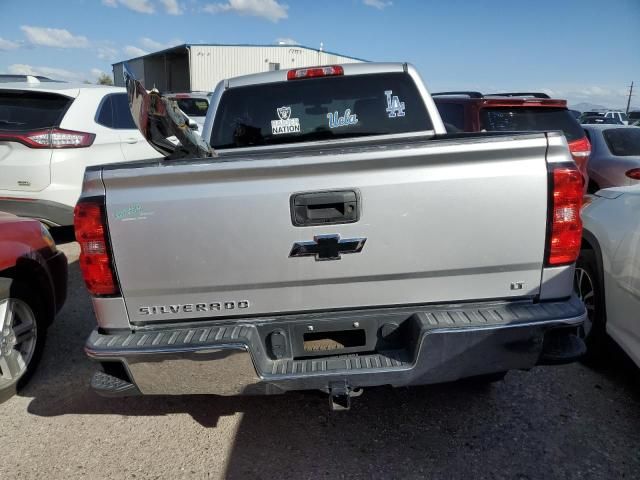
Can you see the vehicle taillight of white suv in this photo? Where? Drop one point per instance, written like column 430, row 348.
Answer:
column 49, row 133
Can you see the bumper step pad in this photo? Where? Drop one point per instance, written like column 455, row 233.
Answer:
column 109, row 386
column 434, row 344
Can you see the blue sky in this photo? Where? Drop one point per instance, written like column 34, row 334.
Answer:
column 582, row 50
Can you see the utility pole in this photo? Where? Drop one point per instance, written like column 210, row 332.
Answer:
column 629, row 99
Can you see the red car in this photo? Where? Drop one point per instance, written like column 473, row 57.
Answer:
column 33, row 288
column 516, row 112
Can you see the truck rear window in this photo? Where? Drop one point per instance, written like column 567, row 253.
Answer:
column 31, row 110
column 319, row 109
column 623, row 142
column 531, row 119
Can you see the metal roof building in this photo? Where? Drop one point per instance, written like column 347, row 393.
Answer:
column 198, row 67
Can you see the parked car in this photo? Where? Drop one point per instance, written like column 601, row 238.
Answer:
column 338, row 239
column 517, row 111
column 634, row 116
column 615, row 156
column 617, row 115
column 600, row 120
column 607, row 274
column 193, row 104
column 49, row 133
column 590, row 114
column 33, row 286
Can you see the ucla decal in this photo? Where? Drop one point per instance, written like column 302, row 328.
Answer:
column 395, row 108
column 285, row 124
column 335, row 120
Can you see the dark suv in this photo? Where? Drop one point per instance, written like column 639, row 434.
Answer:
column 519, row 111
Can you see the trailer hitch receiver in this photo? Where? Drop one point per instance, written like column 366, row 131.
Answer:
column 340, row 394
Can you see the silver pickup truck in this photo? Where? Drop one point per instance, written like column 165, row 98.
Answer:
column 339, row 238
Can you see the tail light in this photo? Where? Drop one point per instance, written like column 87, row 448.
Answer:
column 329, row 71
column 564, row 231
column 580, row 151
column 634, row 173
column 51, row 138
column 95, row 254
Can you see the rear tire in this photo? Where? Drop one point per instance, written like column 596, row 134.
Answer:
column 588, row 287
column 22, row 335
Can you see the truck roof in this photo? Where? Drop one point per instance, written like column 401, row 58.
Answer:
column 281, row 75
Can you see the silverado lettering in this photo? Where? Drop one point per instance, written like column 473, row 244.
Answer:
column 193, row 307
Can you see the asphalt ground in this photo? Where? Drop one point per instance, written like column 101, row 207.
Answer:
column 551, row 422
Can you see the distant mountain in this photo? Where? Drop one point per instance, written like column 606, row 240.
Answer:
column 593, row 107
column 587, row 107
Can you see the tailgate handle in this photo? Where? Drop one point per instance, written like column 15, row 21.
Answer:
column 324, row 208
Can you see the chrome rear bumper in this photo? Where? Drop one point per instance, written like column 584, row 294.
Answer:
column 432, row 345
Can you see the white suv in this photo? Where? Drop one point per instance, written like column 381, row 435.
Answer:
column 49, row 133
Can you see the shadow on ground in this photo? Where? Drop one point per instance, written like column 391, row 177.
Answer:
column 569, row 422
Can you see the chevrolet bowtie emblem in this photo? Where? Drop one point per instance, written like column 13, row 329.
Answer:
column 327, row 247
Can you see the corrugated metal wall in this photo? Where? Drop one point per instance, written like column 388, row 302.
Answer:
column 136, row 66
column 210, row 64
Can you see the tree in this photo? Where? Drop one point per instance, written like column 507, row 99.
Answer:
column 104, row 79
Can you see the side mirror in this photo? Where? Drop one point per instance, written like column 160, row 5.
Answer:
column 193, row 125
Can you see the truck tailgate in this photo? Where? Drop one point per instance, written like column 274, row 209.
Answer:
column 449, row 220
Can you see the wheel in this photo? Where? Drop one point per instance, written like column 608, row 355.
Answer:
column 22, row 335
column 588, row 287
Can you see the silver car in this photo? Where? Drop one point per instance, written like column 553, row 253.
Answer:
column 615, row 156
column 607, row 275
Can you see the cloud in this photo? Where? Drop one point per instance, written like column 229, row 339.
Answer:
column 286, row 41
column 54, row 73
column 96, row 72
column 53, row 37
column 268, row 9
column 149, row 44
column 140, row 6
column 379, row 4
column 172, row 7
column 131, row 51
column 107, row 53
column 8, row 44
